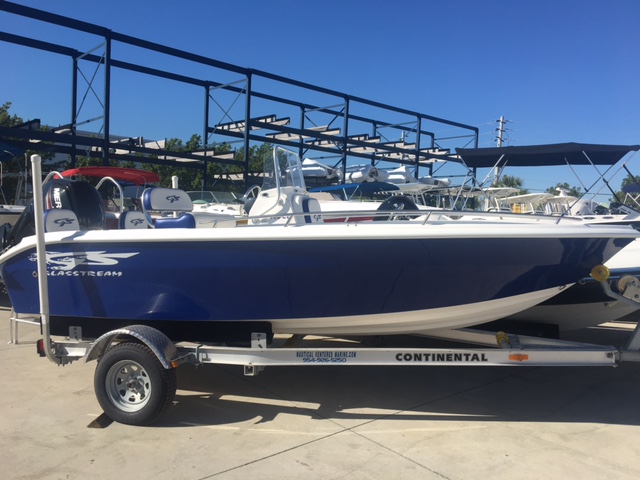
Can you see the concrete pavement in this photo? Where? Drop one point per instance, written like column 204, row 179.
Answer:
column 328, row 423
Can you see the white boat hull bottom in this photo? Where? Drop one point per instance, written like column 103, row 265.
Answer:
column 419, row 321
column 576, row 316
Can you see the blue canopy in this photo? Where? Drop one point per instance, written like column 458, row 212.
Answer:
column 631, row 188
column 545, row 155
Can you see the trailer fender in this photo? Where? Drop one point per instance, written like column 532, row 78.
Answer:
column 157, row 341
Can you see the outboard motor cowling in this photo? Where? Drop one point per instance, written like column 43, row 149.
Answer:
column 80, row 197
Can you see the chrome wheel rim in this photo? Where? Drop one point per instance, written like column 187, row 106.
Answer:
column 128, row 386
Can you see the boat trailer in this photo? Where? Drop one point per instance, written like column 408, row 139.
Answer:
column 135, row 378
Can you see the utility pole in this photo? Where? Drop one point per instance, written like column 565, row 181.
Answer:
column 500, row 130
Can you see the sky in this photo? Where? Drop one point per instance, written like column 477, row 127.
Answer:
column 557, row 70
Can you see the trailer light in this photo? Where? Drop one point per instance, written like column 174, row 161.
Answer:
column 40, row 348
column 518, row 357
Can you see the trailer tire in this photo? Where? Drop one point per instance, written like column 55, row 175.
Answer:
column 132, row 386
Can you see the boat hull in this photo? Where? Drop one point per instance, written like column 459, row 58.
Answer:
column 586, row 304
column 351, row 279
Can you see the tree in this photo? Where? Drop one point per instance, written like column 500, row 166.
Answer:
column 13, row 168
column 628, row 181
column 511, row 182
column 223, row 176
column 188, row 178
column 6, row 119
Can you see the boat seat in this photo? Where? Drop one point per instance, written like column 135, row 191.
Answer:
column 183, row 221
column 60, row 220
column 169, row 201
column 312, row 206
column 131, row 219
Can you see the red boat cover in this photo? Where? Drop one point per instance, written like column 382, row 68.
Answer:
column 133, row 175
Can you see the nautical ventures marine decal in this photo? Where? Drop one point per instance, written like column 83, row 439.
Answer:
column 65, row 263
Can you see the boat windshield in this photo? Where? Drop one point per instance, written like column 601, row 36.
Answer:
column 284, row 171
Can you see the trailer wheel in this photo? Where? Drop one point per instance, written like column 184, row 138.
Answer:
column 131, row 384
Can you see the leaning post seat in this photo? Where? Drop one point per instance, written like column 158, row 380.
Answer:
column 169, row 201
column 133, row 219
column 60, row 220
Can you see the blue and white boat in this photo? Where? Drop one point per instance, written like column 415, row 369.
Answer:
column 287, row 271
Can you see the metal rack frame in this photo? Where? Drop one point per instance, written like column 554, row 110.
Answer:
column 335, row 130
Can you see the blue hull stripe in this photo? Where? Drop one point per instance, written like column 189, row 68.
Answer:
column 267, row 280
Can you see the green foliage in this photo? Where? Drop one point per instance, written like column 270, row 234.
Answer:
column 511, row 182
column 219, row 176
column 6, row 119
column 187, row 176
column 13, row 170
column 630, row 180
column 622, row 197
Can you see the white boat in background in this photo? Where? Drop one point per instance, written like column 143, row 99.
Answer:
column 365, row 173
column 314, row 169
column 560, row 205
column 397, row 176
column 10, row 213
column 221, row 203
